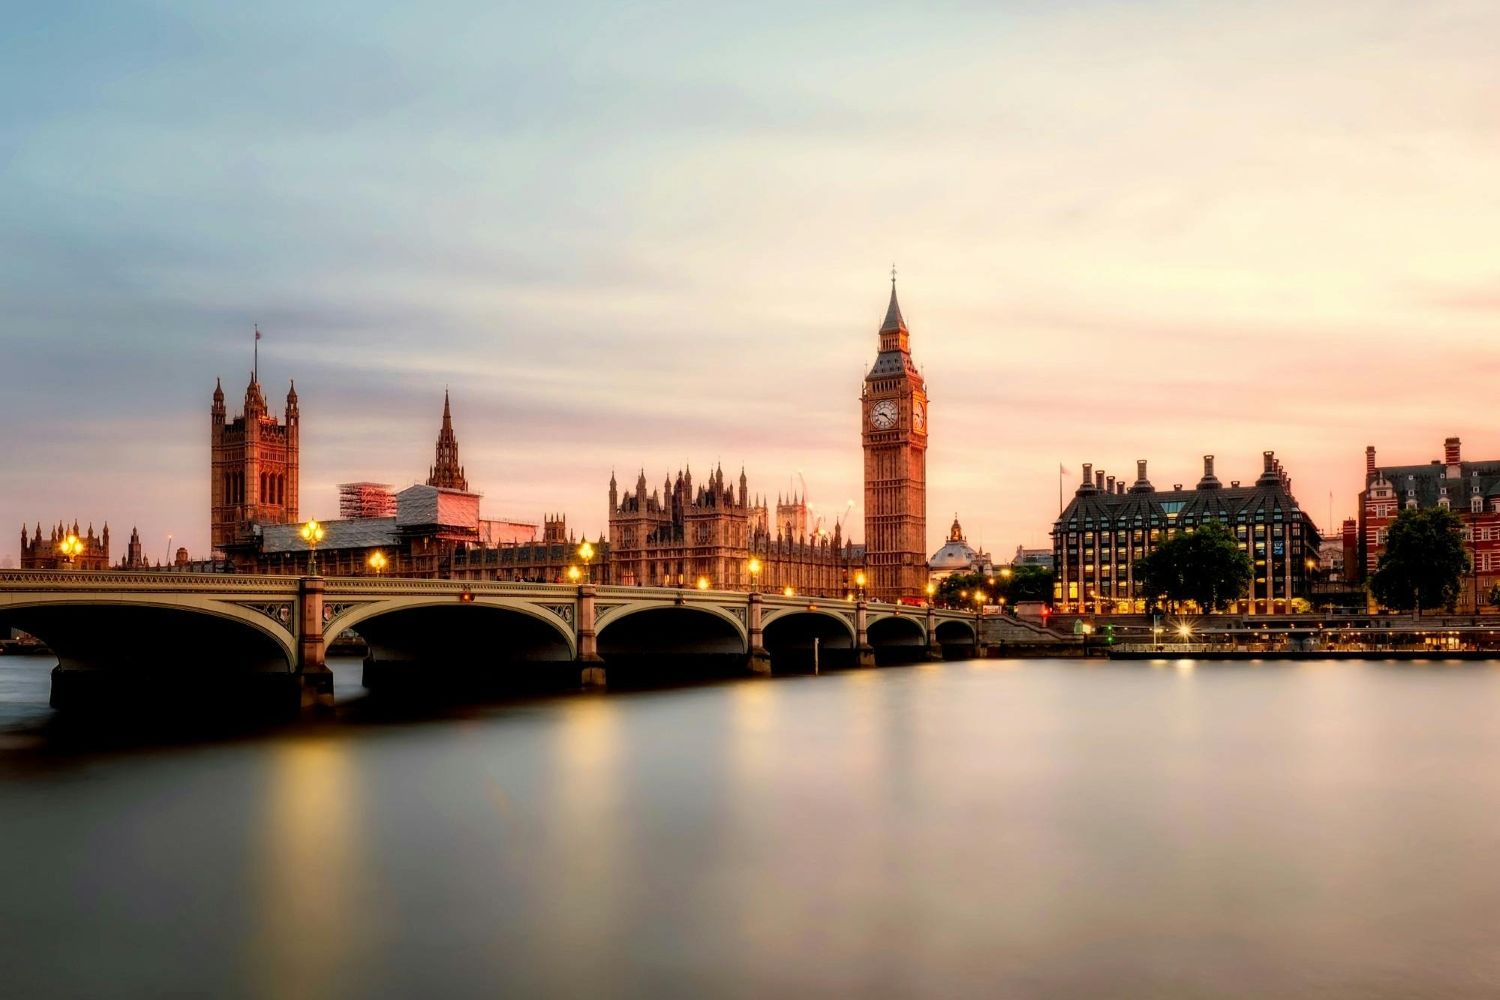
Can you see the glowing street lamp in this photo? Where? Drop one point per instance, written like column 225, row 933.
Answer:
column 378, row 561
column 70, row 548
column 931, row 590
column 574, row 574
column 754, row 567
column 702, row 583
column 788, row 591
column 312, row 534
column 859, row 584
column 586, row 553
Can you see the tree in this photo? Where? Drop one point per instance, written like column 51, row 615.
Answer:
column 1025, row 583
column 1423, row 561
column 1205, row 566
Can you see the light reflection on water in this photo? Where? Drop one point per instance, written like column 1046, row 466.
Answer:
column 995, row 828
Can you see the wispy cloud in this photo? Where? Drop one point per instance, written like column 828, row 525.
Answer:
column 651, row 234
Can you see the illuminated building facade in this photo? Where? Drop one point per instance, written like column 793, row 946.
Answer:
column 1469, row 489
column 254, row 464
column 893, row 407
column 1107, row 527
column 678, row 536
column 38, row 552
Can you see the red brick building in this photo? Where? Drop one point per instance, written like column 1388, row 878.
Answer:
column 1469, row 489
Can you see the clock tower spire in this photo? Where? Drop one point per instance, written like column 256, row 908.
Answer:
column 893, row 405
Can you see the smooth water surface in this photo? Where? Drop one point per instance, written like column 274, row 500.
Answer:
column 993, row 828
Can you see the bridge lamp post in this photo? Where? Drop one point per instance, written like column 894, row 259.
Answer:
column 70, row 548
column 378, row 562
column 978, row 622
column 573, row 574
column 788, row 591
column 586, row 553
column 931, row 590
column 859, row 584
column 702, row 583
column 312, row 534
column 754, row 567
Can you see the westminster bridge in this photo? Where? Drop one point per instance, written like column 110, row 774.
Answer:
column 117, row 633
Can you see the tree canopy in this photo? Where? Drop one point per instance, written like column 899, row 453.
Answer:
column 1423, row 561
column 1205, row 566
column 1025, row 583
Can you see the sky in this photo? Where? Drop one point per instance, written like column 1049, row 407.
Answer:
column 657, row 235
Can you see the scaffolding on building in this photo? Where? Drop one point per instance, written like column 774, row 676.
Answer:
column 361, row 500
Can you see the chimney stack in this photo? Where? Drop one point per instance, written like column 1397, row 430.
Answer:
column 1270, row 460
column 1099, row 480
column 1369, row 461
column 1088, row 473
column 1140, row 469
column 1109, row 484
column 1450, row 452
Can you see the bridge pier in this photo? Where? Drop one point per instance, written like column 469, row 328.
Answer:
column 312, row 666
column 934, row 648
column 758, row 659
column 864, row 653
column 592, row 676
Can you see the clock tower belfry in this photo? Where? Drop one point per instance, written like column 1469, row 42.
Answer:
column 893, row 405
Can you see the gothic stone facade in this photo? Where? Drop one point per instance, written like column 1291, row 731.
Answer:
column 42, row 553
column 679, row 536
column 254, row 468
column 894, row 421
column 1107, row 528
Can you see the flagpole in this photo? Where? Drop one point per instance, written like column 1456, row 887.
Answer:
column 255, row 368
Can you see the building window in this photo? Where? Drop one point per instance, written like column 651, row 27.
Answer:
column 1476, row 505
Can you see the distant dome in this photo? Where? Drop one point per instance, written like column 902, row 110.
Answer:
column 954, row 555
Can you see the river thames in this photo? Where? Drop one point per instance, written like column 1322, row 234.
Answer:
column 987, row 829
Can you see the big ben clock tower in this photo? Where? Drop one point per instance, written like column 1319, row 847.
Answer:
column 894, row 429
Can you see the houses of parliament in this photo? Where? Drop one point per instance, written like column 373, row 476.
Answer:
column 712, row 533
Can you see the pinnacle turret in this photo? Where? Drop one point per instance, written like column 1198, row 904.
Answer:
column 446, row 473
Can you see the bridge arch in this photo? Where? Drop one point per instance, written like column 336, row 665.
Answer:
column 535, row 622
column 645, row 628
column 92, row 632
column 896, row 630
column 788, row 636
column 439, row 647
column 956, row 631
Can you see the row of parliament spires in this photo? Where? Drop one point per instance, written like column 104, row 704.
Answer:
column 42, row 553
column 680, row 494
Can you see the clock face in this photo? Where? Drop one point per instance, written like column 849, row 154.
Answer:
column 883, row 416
column 919, row 415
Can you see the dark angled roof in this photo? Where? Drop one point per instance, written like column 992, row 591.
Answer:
column 1269, row 499
column 888, row 363
column 893, row 321
column 1425, row 483
column 356, row 533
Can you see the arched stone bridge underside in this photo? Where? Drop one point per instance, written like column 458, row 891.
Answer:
column 118, row 631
